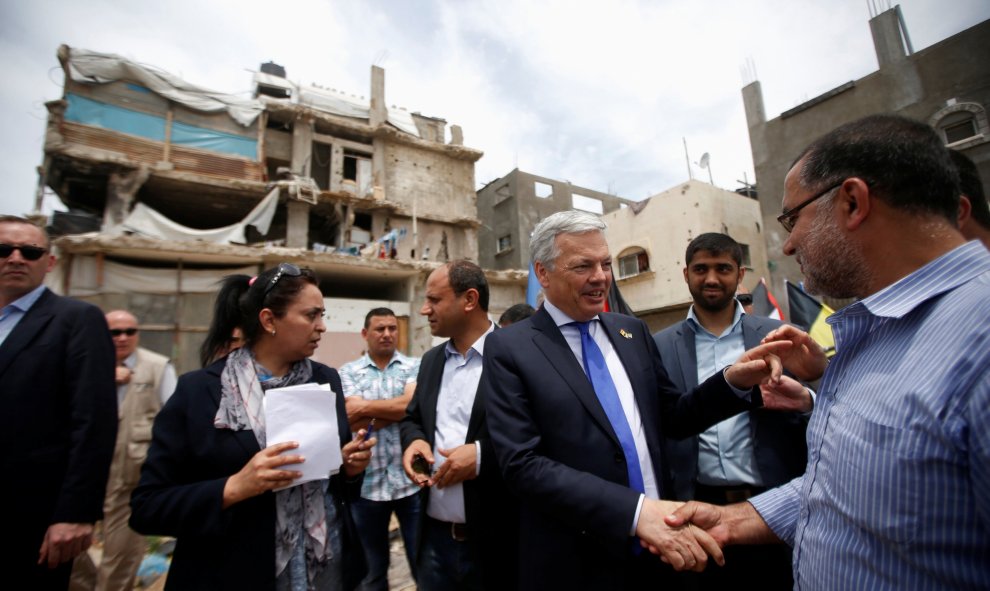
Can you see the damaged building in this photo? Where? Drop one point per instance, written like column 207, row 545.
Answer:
column 171, row 186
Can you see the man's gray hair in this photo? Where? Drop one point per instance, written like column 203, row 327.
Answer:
column 543, row 246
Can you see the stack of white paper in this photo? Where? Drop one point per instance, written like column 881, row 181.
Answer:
column 306, row 413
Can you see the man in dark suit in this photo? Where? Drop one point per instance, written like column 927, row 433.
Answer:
column 467, row 538
column 741, row 456
column 578, row 402
column 59, row 422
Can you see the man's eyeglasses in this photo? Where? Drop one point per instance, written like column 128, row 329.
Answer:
column 283, row 269
column 789, row 217
column 745, row 298
column 116, row 332
column 30, row 253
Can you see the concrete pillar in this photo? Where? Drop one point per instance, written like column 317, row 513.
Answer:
column 336, row 167
column 887, row 38
column 379, row 112
column 456, row 135
column 420, row 339
column 297, row 224
column 378, row 169
column 302, row 146
column 379, row 115
column 753, row 101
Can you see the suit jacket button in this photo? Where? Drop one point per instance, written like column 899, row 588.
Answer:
column 619, row 458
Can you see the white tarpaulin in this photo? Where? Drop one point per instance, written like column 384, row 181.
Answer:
column 99, row 68
column 339, row 103
column 90, row 277
column 148, row 222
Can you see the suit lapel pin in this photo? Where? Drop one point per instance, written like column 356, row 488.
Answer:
column 623, row 332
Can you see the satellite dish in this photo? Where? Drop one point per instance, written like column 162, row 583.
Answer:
column 704, row 160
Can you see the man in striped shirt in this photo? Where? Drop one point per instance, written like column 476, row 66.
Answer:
column 896, row 493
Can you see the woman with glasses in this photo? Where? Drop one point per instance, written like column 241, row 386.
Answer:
column 210, row 479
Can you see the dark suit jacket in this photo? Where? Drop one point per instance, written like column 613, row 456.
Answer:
column 58, row 424
column 779, row 442
column 561, row 457
column 490, row 511
column 181, row 491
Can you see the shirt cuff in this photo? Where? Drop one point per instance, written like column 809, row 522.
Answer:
column 780, row 508
column 477, row 458
column 814, row 399
column 746, row 394
column 639, row 508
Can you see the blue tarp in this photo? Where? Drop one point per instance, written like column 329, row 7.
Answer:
column 90, row 112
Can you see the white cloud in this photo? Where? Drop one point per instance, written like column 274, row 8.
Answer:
column 600, row 94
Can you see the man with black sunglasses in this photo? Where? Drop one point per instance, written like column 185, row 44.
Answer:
column 145, row 380
column 60, row 414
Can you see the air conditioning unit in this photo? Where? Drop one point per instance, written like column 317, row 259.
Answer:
column 307, row 194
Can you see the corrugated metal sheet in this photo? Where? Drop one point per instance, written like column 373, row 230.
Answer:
column 143, row 151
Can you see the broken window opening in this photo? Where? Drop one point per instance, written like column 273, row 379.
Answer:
column 633, row 262
column 958, row 131
column 585, row 203
column 324, row 228
column 543, row 190
column 357, row 173
column 320, row 165
column 359, row 234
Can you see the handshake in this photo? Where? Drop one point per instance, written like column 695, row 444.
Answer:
column 685, row 535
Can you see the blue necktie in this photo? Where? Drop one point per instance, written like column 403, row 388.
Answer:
column 608, row 396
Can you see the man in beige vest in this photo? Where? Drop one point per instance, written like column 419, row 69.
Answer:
column 145, row 380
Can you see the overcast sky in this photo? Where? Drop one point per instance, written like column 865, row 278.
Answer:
column 596, row 93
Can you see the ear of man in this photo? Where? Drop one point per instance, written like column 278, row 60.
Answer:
column 470, row 299
column 855, row 202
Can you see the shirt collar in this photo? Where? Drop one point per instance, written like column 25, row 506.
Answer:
column 26, row 301
column 692, row 320
column 941, row 275
column 131, row 360
column 397, row 357
column 559, row 317
column 478, row 346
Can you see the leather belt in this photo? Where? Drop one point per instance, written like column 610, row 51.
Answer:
column 458, row 531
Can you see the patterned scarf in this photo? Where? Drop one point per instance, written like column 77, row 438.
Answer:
column 241, row 408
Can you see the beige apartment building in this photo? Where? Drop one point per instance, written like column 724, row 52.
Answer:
column 648, row 240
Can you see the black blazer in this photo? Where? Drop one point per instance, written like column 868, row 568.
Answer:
column 490, row 510
column 561, row 457
column 181, row 491
column 58, row 424
column 779, row 442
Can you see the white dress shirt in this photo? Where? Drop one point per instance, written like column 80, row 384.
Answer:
column 458, row 387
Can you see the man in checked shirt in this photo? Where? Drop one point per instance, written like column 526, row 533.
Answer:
column 378, row 387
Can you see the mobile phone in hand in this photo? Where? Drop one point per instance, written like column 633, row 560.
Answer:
column 420, row 465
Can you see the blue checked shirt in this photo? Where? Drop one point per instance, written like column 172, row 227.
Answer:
column 384, row 479
column 896, row 494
